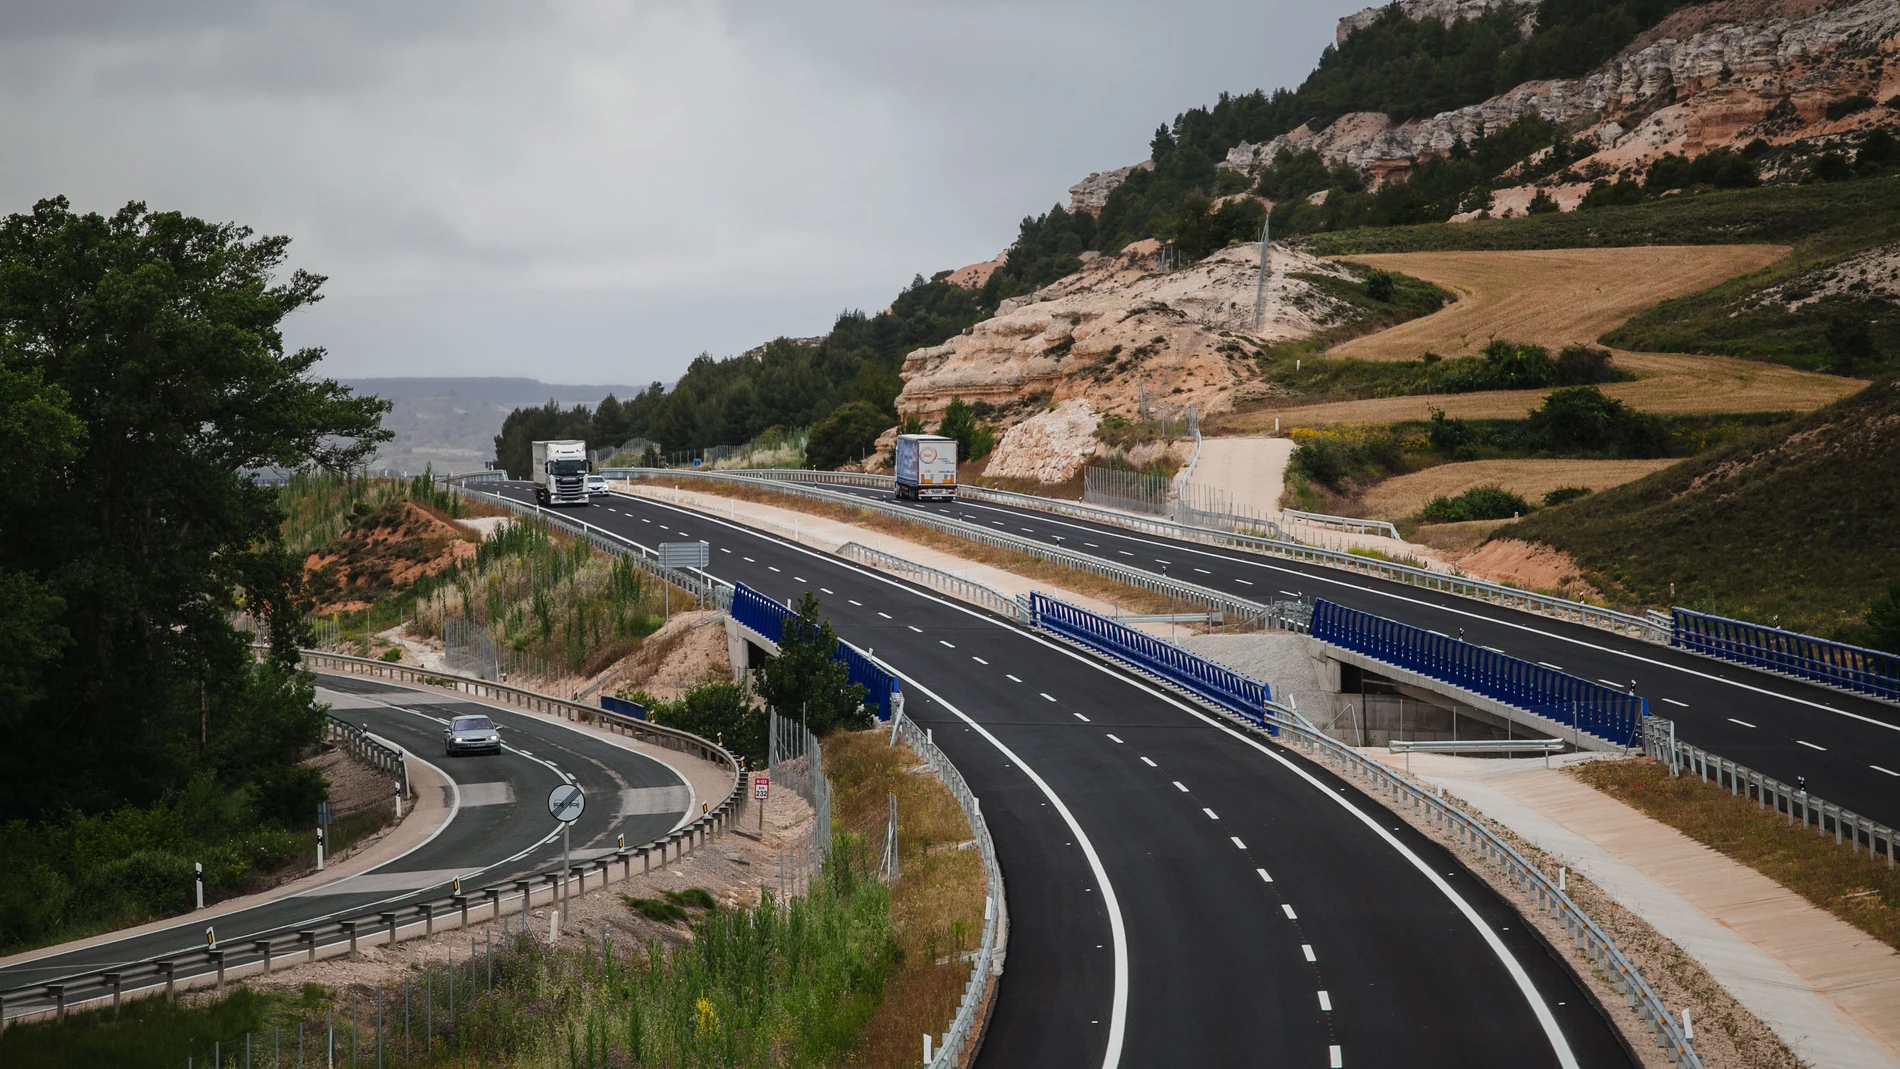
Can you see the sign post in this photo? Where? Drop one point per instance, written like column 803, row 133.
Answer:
column 682, row 555
column 565, row 804
column 761, row 790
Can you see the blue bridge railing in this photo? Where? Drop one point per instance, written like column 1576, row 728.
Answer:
column 1586, row 705
column 767, row 617
column 1835, row 664
column 623, row 707
column 1217, row 683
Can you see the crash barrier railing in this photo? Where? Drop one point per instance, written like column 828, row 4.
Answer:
column 1584, row 704
column 1652, row 629
column 1477, row 746
column 623, row 707
column 767, row 618
column 702, row 586
column 936, row 579
column 1598, row 949
column 795, row 760
column 1848, row 828
column 1341, row 523
column 1249, row 613
column 359, row 743
column 1790, row 653
column 966, row 1028
column 1214, row 682
column 453, row 905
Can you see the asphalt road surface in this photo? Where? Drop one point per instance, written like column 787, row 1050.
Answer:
column 499, row 829
column 1179, row 894
column 1846, row 747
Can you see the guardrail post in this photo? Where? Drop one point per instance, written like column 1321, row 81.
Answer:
column 168, row 970
column 526, row 887
column 217, row 958
column 309, row 939
column 349, row 929
column 57, row 992
column 493, row 894
column 389, row 921
column 461, row 903
column 115, row 979
column 262, row 946
column 427, row 909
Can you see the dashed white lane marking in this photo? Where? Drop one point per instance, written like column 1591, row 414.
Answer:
column 1307, row 949
column 773, row 569
column 1338, row 1060
column 1149, row 763
column 1609, row 682
column 1744, row 723
column 1238, row 845
column 1158, row 560
column 856, row 602
column 1811, row 746
column 1325, row 1002
column 723, row 549
column 1025, row 530
column 799, row 578
column 1082, row 718
column 915, row 628
column 1112, row 737
column 1264, row 878
column 884, row 614
column 1211, row 815
column 1673, row 701
column 749, row 560
column 979, row 660
column 941, row 642
column 1011, row 678
column 1179, row 786
column 1290, row 915
column 643, row 519
column 1204, row 571
column 1091, row 545
column 1888, row 771
column 1046, row 697
column 1243, row 582
column 825, row 590
column 1291, row 593
column 1124, row 553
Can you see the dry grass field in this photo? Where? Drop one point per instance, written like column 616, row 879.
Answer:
column 1405, row 495
column 1553, row 297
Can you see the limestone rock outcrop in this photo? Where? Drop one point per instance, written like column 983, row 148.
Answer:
column 1050, row 446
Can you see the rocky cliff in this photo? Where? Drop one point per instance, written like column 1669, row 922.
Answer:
column 1119, row 329
column 1722, row 83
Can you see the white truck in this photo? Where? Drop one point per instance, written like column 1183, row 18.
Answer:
column 560, row 473
column 926, row 467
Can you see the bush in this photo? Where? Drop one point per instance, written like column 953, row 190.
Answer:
column 1604, row 195
column 1477, row 503
column 1541, row 204
column 1848, row 105
column 1883, row 620
column 845, row 435
column 1379, row 286
column 721, row 711
column 1581, row 419
column 1850, row 344
column 1565, row 493
column 1830, row 167
column 1584, row 365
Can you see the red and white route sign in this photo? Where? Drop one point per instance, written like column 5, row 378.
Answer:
column 761, row 787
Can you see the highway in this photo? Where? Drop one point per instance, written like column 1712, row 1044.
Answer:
column 499, row 828
column 1179, row 893
column 1847, row 748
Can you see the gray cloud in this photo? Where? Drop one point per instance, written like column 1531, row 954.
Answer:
column 590, row 190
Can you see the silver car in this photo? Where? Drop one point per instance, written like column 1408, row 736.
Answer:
column 471, row 734
column 596, row 486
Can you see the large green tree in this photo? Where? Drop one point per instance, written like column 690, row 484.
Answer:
column 144, row 373
column 805, row 680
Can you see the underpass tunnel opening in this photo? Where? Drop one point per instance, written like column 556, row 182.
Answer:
column 1371, row 710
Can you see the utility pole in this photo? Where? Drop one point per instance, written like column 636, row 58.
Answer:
column 1260, row 287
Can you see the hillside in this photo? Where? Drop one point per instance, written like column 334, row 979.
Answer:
column 1799, row 523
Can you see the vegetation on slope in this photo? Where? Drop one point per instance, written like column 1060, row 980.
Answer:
column 1798, row 524
column 143, row 370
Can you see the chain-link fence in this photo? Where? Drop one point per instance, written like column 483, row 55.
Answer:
column 796, row 760
column 1119, row 488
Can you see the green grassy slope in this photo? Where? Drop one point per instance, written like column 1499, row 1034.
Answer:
column 1801, row 521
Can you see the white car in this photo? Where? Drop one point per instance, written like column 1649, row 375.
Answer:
column 596, row 486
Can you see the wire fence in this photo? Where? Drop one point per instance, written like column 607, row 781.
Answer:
column 796, row 760
column 1119, row 488
column 468, row 649
column 1211, row 506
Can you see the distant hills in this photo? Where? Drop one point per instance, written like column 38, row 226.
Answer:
column 450, row 423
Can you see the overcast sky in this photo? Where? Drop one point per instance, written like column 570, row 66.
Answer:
column 598, row 191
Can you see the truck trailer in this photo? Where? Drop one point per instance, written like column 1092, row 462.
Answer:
column 926, row 467
column 560, row 473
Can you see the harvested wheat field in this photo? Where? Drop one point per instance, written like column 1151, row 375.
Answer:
column 1405, row 495
column 1552, row 297
column 1674, row 384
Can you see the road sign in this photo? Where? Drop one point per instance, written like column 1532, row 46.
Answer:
column 684, row 554
column 566, row 802
column 323, row 814
column 761, row 787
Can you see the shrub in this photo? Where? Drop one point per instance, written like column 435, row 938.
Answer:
column 1581, row 419
column 717, row 710
column 1380, row 286
column 845, row 435
column 1477, row 503
column 1510, row 366
column 1565, row 493
column 1604, row 195
column 1848, row 105
column 1541, row 204
column 1584, row 365
column 1850, row 344
column 1830, row 167
column 1449, row 437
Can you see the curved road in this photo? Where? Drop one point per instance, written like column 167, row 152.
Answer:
column 499, row 829
column 1179, row 893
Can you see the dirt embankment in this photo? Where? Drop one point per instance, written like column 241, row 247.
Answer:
column 383, row 550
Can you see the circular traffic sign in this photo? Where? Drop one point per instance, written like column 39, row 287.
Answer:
column 566, row 802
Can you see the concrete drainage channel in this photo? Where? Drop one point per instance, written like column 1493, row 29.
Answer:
column 212, row 966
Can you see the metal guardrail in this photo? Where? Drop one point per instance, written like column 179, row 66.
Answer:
column 1849, row 828
column 936, row 579
column 1601, row 951
column 1342, row 523
column 1645, row 627
column 163, row 972
column 1584, row 704
column 1477, row 745
column 1248, row 612
column 972, row 1011
column 1208, row 680
column 1855, row 669
column 358, row 741
column 700, row 585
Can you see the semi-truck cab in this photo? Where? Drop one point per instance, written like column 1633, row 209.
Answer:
column 560, row 473
column 926, row 467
